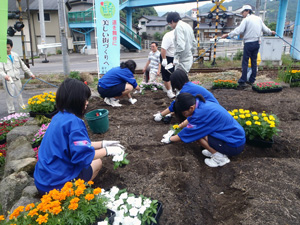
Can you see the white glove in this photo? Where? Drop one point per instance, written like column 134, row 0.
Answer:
column 157, row 117
column 175, row 61
column 109, row 143
column 167, row 136
column 115, row 150
column 164, row 62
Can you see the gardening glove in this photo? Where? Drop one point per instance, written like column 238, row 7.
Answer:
column 115, row 150
column 158, row 117
column 109, row 143
column 169, row 134
column 164, row 62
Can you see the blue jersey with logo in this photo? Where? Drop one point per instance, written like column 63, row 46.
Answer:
column 194, row 90
column 117, row 76
column 65, row 150
column 212, row 119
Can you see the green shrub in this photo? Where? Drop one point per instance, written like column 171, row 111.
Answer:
column 75, row 75
column 238, row 55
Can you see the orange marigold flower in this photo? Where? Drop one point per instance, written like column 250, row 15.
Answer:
column 79, row 182
column 33, row 212
column 74, row 200
column 90, row 182
column 89, row 197
column 73, row 206
column 97, row 191
column 67, row 185
column 29, row 206
column 56, row 210
column 42, row 219
column 2, row 217
column 79, row 192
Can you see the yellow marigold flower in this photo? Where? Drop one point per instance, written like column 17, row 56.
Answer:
column 271, row 117
column 176, row 126
column 90, row 182
column 263, row 114
column 272, row 125
column 52, row 100
column 248, row 115
column 242, row 116
column 38, row 102
column 236, row 117
column 1, row 154
column 73, row 206
column 89, row 197
column 266, row 118
column 247, row 111
column 2, row 217
column 257, row 123
column 241, row 110
column 235, row 110
column 29, row 206
column 254, row 113
column 42, row 219
column 255, row 117
column 248, row 123
column 78, row 182
column 33, row 212
column 97, row 191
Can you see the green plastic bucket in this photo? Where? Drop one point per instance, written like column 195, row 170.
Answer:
column 97, row 120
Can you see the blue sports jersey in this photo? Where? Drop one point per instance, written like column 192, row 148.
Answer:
column 117, row 76
column 65, row 150
column 212, row 119
column 194, row 90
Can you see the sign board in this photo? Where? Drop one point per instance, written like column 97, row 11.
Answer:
column 3, row 30
column 108, row 34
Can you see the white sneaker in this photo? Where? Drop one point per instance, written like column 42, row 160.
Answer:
column 132, row 100
column 164, row 88
column 206, row 153
column 170, row 94
column 217, row 160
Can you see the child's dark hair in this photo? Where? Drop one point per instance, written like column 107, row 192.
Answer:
column 178, row 78
column 71, row 96
column 9, row 42
column 130, row 64
column 184, row 101
column 173, row 16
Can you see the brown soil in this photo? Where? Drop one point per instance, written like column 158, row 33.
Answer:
column 260, row 186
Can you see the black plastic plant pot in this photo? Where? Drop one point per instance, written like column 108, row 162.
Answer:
column 111, row 217
column 256, row 142
column 35, row 145
column 213, row 87
column 48, row 115
column 157, row 215
column 167, row 119
column 267, row 90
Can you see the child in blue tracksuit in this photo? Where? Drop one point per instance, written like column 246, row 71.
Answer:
column 118, row 82
column 210, row 124
column 180, row 81
column 66, row 152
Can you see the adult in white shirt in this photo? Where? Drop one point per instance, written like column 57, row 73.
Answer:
column 251, row 27
column 184, row 42
column 153, row 62
column 167, row 57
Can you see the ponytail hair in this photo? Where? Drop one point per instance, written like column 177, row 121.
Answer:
column 178, row 79
column 184, row 101
column 130, row 64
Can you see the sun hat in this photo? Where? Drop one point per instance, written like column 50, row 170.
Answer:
column 246, row 7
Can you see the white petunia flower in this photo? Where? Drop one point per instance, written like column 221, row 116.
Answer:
column 130, row 200
column 118, row 220
column 136, row 221
column 133, row 211
column 142, row 209
column 124, row 207
column 138, row 202
column 118, row 202
column 113, row 191
column 103, row 223
column 147, row 202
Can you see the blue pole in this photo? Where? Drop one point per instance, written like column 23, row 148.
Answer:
column 281, row 17
column 296, row 35
column 88, row 40
column 129, row 18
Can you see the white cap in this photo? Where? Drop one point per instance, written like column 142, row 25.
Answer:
column 246, row 7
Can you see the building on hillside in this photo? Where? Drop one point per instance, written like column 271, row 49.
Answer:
column 144, row 20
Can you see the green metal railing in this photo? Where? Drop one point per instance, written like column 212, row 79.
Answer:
column 122, row 1
column 88, row 17
column 130, row 34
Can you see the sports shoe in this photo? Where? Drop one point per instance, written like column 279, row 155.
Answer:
column 217, row 160
column 112, row 102
column 250, row 83
column 241, row 86
column 206, row 153
column 170, row 94
column 164, row 88
column 132, row 100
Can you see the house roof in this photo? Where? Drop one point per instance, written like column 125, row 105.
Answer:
column 154, row 18
column 157, row 24
column 189, row 17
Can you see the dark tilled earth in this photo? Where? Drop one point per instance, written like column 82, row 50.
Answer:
column 260, row 186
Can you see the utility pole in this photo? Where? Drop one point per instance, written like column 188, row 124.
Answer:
column 42, row 28
column 265, row 8
column 63, row 38
column 257, row 7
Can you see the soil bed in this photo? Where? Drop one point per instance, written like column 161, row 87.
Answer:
column 260, row 186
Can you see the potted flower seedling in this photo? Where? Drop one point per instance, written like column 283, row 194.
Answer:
column 43, row 104
column 224, row 84
column 267, row 87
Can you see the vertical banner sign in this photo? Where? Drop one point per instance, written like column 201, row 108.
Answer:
column 108, row 34
column 3, row 30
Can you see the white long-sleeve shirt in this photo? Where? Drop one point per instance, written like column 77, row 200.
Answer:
column 251, row 27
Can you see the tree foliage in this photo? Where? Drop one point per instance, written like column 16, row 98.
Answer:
column 138, row 13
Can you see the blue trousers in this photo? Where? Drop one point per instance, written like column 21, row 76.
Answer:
column 250, row 51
